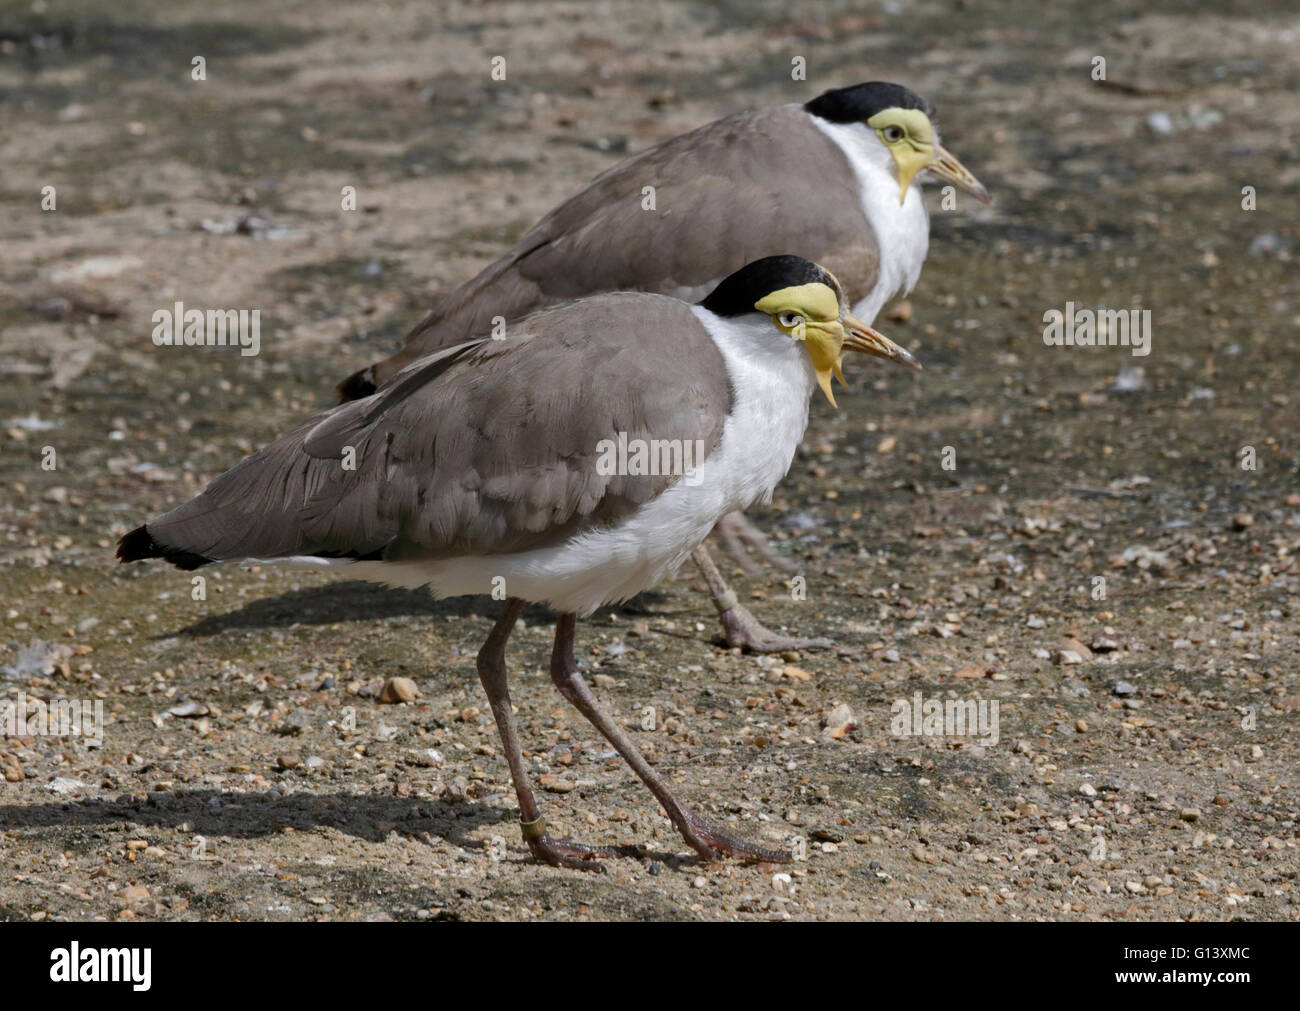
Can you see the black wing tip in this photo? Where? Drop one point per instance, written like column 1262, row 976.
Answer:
column 139, row 545
column 356, row 386
column 136, row 545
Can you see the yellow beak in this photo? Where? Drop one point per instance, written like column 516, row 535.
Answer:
column 870, row 341
column 944, row 165
column 826, row 346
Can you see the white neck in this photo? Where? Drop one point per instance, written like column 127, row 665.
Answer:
column 754, row 341
column 772, row 379
column 902, row 230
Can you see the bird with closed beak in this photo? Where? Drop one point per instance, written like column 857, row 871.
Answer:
column 836, row 179
column 478, row 466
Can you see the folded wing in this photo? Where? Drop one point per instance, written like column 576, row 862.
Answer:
column 485, row 447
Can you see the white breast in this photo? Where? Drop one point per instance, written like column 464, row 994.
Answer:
column 772, row 379
column 902, row 230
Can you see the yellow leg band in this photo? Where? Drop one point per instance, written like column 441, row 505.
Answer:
column 533, row 829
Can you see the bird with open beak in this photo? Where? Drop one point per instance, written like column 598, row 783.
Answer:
column 836, row 179
column 476, row 469
column 811, row 313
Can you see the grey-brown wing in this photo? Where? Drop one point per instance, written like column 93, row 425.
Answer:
column 756, row 184
column 484, row 448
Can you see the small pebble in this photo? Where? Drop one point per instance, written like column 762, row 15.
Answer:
column 838, row 722
column 399, row 690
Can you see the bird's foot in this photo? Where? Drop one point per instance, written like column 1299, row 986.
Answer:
column 740, row 537
column 710, row 842
column 576, row 855
column 741, row 628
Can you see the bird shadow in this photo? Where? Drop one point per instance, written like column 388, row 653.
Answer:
column 347, row 601
column 250, row 815
column 211, row 814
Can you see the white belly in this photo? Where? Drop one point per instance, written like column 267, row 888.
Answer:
column 772, row 379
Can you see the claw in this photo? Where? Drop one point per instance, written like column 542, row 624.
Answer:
column 741, row 628
column 740, row 537
column 709, row 842
column 576, row 855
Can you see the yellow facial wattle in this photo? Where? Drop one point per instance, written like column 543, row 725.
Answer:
column 816, row 302
column 817, row 307
column 910, row 139
column 825, row 345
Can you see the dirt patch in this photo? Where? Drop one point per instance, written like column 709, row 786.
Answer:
column 1096, row 561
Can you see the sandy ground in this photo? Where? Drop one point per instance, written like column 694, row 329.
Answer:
column 1143, row 769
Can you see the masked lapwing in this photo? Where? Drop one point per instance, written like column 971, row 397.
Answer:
column 487, row 465
column 835, row 180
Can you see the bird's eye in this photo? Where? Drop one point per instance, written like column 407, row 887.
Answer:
column 893, row 134
column 790, row 320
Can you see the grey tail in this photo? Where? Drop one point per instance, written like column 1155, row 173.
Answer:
column 139, row 544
